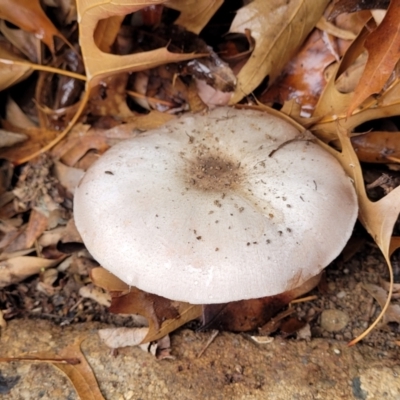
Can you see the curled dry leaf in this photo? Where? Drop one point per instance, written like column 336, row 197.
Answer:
column 279, row 28
column 383, row 54
column 334, row 30
column 350, row 6
column 17, row 269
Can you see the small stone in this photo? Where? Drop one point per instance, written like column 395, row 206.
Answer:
column 334, row 320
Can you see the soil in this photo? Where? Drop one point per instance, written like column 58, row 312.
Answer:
column 232, row 367
column 320, row 366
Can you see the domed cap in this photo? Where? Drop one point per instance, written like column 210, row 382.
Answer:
column 215, row 208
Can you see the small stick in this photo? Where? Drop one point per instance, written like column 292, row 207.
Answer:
column 214, row 334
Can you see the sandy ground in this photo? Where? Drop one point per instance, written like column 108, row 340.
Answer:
column 232, row 367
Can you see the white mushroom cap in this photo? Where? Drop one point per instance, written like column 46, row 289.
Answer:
column 216, row 208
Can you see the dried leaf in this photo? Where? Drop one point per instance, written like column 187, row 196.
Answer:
column 279, row 28
column 304, row 84
column 291, row 326
column 3, row 323
column 106, row 280
column 394, row 244
column 107, row 31
column 377, row 147
column 246, row 315
column 164, row 315
column 396, row 288
column 8, row 139
column 82, row 138
column 332, row 105
column 377, row 217
column 37, row 224
column 25, row 42
column 262, row 339
column 194, row 14
column 15, row 116
column 99, row 64
column 275, row 323
column 331, row 110
column 109, row 98
column 383, row 54
column 115, row 338
column 18, row 268
column 96, row 294
column 334, row 30
column 80, row 374
column 10, row 72
column 69, row 177
column 72, row 362
column 29, row 15
column 350, row 6
column 380, row 295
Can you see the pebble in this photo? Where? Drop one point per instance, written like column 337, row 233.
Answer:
column 333, row 320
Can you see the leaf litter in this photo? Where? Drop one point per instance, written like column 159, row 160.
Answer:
column 36, row 212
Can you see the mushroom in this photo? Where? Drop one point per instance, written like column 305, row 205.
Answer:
column 231, row 205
